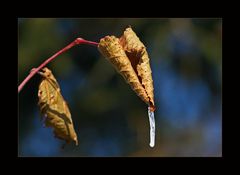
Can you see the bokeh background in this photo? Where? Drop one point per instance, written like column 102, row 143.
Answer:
column 109, row 118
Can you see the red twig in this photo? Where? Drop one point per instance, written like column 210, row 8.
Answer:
column 34, row 71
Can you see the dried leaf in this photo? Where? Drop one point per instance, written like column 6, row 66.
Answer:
column 138, row 56
column 54, row 108
column 129, row 57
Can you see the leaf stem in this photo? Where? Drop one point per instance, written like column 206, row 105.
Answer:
column 77, row 41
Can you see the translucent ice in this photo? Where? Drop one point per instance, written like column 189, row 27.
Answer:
column 152, row 127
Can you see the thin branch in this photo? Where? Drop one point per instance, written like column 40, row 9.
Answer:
column 34, row 71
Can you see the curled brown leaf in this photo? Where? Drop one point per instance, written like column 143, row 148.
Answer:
column 130, row 58
column 54, row 108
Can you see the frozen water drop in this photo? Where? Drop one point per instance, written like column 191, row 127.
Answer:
column 152, row 127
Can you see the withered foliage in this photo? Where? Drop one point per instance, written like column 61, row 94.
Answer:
column 54, row 109
column 130, row 58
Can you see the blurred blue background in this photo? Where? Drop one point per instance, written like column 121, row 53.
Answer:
column 109, row 118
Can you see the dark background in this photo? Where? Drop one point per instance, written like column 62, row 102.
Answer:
column 109, row 118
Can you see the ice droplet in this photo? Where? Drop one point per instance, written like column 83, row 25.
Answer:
column 152, row 127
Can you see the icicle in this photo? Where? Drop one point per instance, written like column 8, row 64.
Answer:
column 152, row 127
